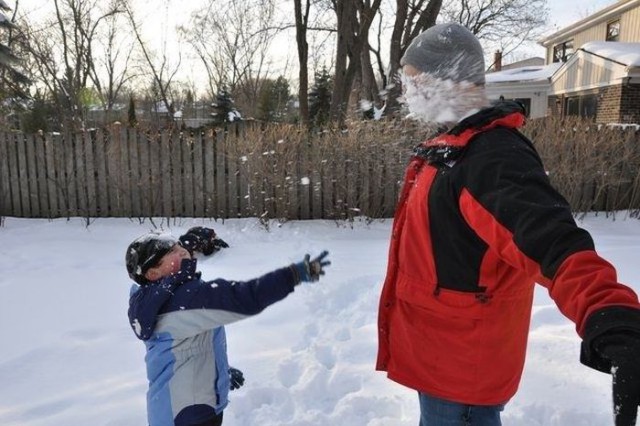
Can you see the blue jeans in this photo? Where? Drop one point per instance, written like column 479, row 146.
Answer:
column 440, row 412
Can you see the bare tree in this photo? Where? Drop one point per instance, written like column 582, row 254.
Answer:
column 302, row 23
column 12, row 80
column 110, row 71
column 62, row 50
column 506, row 23
column 232, row 41
column 314, row 24
column 377, row 50
column 354, row 18
column 206, row 52
column 160, row 67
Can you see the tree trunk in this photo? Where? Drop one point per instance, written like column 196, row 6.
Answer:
column 303, row 55
column 352, row 39
column 406, row 27
column 369, row 89
column 395, row 53
column 344, row 10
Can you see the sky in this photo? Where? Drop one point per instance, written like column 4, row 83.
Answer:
column 69, row 357
column 562, row 13
column 566, row 12
column 156, row 15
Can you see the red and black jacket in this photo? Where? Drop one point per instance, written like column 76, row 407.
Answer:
column 477, row 225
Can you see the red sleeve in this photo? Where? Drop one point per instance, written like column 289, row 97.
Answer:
column 585, row 283
column 510, row 203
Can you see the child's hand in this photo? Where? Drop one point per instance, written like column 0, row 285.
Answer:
column 236, row 378
column 219, row 243
column 203, row 240
column 309, row 270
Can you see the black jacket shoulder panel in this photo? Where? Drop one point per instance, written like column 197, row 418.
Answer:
column 503, row 172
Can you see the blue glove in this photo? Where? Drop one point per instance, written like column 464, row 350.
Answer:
column 236, row 378
column 310, row 270
column 203, row 240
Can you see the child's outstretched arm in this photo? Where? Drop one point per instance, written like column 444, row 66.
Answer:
column 219, row 302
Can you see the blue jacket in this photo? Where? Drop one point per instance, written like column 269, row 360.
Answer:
column 180, row 318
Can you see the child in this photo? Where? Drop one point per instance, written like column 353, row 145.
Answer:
column 180, row 317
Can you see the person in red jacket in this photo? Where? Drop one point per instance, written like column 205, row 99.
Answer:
column 477, row 225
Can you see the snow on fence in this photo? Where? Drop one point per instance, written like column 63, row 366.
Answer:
column 245, row 171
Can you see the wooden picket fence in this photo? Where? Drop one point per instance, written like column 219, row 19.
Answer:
column 243, row 171
column 279, row 171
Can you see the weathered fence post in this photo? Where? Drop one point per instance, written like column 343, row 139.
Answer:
column 6, row 201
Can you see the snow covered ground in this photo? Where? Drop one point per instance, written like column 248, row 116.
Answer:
column 69, row 357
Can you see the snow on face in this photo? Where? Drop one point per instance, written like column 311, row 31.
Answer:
column 436, row 100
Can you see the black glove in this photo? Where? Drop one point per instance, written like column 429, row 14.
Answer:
column 236, row 378
column 622, row 349
column 219, row 243
column 310, row 270
column 203, row 240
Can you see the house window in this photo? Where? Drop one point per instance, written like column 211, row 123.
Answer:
column 613, row 31
column 573, row 106
column 589, row 106
column 582, row 106
column 563, row 51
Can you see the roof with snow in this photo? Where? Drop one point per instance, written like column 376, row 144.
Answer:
column 624, row 53
column 529, row 74
column 534, row 61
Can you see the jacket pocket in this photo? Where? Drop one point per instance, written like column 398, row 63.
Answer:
column 443, row 301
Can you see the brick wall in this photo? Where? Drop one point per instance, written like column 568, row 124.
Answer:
column 609, row 104
column 616, row 104
column 630, row 104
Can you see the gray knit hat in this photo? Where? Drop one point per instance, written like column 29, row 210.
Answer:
column 447, row 51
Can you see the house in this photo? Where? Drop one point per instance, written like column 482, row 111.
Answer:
column 592, row 69
column 528, row 85
column 601, row 80
column 529, row 62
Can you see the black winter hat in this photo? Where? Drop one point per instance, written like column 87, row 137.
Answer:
column 145, row 252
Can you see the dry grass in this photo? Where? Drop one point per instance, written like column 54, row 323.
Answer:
column 358, row 171
column 595, row 167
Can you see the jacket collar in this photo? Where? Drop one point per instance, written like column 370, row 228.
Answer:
column 505, row 113
column 449, row 145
